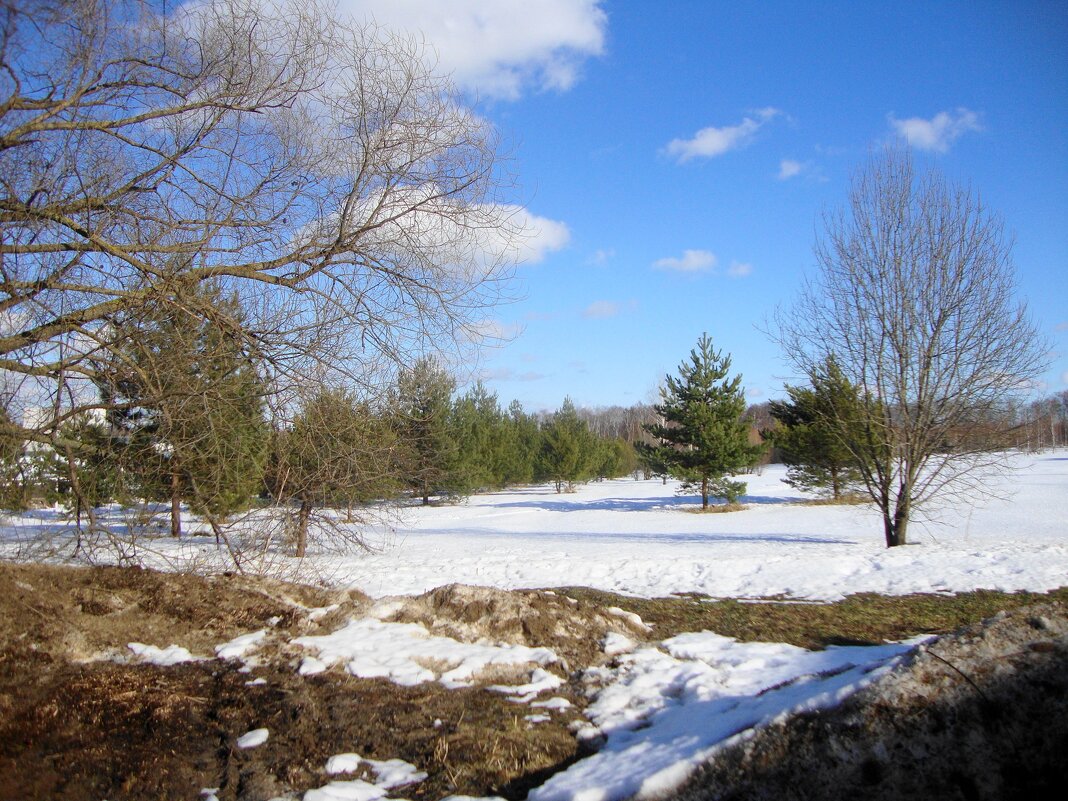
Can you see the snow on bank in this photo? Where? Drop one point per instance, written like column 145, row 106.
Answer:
column 401, row 652
column 664, row 714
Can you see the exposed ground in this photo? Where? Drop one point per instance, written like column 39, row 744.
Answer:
column 79, row 720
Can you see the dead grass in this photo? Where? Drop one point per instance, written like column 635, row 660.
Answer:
column 859, row 619
column 718, row 509
column 71, row 729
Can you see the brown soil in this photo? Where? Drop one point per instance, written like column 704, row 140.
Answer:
column 76, row 724
column 574, row 629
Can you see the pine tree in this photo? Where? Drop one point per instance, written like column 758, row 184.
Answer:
column 185, row 403
column 817, row 426
column 422, row 408
column 702, row 433
column 478, row 429
column 337, row 452
column 567, row 449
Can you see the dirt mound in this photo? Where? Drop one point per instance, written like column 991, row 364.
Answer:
column 574, row 629
column 980, row 714
column 76, row 725
column 85, row 613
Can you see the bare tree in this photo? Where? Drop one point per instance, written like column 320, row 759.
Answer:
column 915, row 300
column 324, row 175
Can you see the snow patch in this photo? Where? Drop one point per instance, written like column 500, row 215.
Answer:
column 406, row 653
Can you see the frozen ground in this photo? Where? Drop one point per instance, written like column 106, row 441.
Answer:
column 639, row 538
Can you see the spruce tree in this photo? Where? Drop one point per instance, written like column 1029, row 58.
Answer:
column 702, row 435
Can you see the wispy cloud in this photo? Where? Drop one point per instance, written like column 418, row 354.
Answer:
column 938, row 133
column 600, row 310
column 490, row 331
column 601, row 257
column 711, row 142
column 508, row 374
column 1061, row 326
column 788, row 168
column 739, row 269
column 691, row 261
column 499, row 49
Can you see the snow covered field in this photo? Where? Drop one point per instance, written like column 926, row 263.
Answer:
column 640, row 538
column 637, row 537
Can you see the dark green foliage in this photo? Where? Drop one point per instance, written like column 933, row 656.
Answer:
column 422, row 408
column 13, row 490
column 185, row 403
column 567, row 448
column 818, row 429
column 479, row 430
column 703, row 438
column 336, row 453
column 521, row 447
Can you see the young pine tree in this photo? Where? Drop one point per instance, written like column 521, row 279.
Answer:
column 702, row 435
column 567, row 448
column 817, row 427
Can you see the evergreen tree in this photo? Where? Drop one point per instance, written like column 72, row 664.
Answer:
column 521, row 446
column 422, row 408
column 185, row 404
column 703, row 436
column 567, row 448
column 12, row 453
column 817, row 426
column 336, row 453
column 478, row 430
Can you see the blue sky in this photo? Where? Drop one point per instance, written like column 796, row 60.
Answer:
column 676, row 157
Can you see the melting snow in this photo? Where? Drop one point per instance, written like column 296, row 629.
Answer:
column 401, row 653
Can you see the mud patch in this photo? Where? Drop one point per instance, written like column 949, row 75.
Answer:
column 76, row 725
column 574, row 629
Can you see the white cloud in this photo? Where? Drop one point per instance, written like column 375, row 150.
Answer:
column 1061, row 326
column 599, row 258
column 600, row 310
column 754, row 392
column 739, row 269
column 491, row 331
column 537, row 236
column 711, row 142
column 788, row 168
column 1064, row 378
column 937, row 133
column 498, row 48
column 691, row 261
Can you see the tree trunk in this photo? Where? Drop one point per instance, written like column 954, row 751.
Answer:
column 176, row 505
column 302, row 527
column 836, row 487
column 704, row 493
column 896, row 526
column 426, row 494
